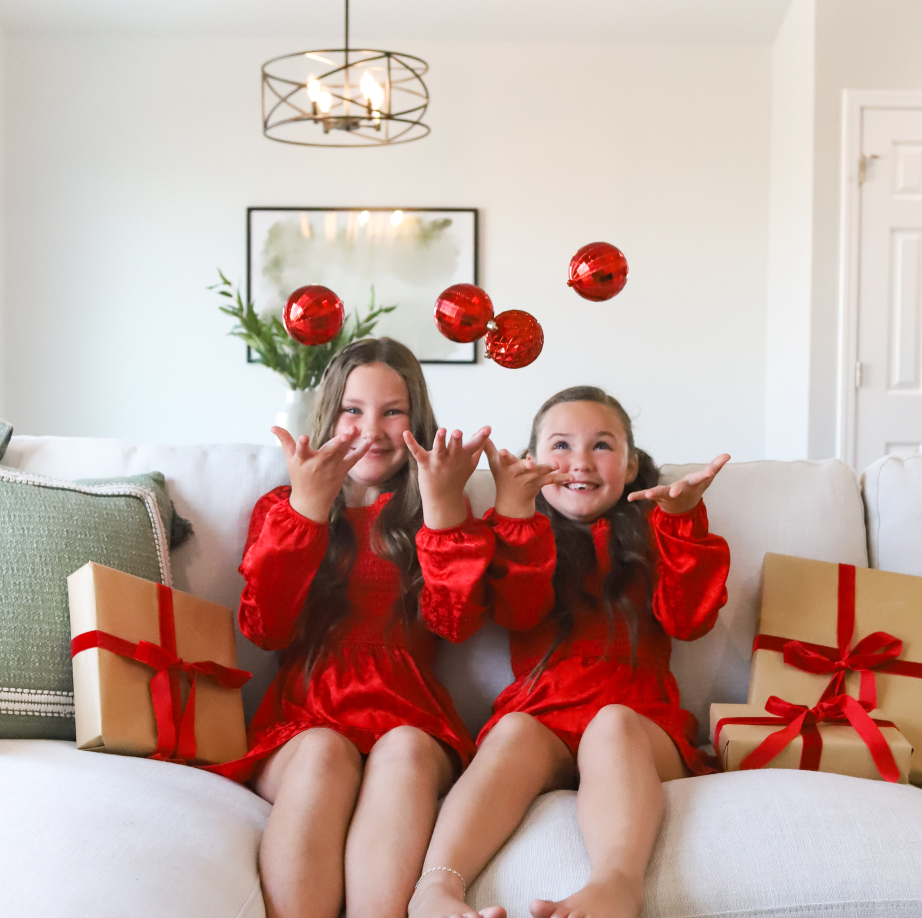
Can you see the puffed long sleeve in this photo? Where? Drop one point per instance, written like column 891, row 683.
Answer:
column 282, row 554
column 691, row 572
column 522, row 570
column 454, row 564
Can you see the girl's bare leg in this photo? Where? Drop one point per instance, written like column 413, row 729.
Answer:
column 312, row 782
column 623, row 760
column 406, row 773
column 519, row 759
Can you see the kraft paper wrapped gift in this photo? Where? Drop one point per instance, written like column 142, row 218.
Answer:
column 829, row 629
column 156, row 691
column 840, row 749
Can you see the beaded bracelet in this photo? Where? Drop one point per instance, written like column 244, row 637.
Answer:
column 455, row 872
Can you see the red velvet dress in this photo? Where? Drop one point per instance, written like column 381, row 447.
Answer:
column 374, row 674
column 588, row 672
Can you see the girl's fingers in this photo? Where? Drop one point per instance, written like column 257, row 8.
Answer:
column 303, row 448
column 416, row 451
column 340, row 443
column 718, row 463
column 477, row 441
column 357, row 453
column 650, row 493
column 286, row 441
column 438, row 444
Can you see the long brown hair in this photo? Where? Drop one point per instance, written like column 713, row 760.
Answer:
column 393, row 535
column 629, row 546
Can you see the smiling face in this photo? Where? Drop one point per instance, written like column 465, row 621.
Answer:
column 587, row 441
column 377, row 402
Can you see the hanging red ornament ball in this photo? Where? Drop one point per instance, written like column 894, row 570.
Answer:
column 462, row 312
column 514, row 339
column 313, row 315
column 598, row 271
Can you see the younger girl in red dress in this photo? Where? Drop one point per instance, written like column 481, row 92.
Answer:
column 593, row 702
column 356, row 740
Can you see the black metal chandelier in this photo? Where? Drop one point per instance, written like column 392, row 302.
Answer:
column 364, row 98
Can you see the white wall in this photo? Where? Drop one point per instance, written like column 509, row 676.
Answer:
column 860, row 44
column 130, row 164
column 787, row 339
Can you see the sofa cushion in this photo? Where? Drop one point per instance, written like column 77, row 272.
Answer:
column 216, row 487
column 110, row 836
column 48, row 529
column 893, row 500
column 806, row 509
column 756, row 843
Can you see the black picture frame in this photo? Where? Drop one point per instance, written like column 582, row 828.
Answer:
column 437, row 231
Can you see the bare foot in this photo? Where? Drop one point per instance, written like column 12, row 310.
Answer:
column 440, row 897
column 616, row 898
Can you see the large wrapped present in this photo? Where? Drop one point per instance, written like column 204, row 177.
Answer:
column 837, row 736
column 830, row 629
column 154, row 670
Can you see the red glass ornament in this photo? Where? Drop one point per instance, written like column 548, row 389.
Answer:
column 462, row 312
column 598, row 271
column 514, row 339
column 313, row 315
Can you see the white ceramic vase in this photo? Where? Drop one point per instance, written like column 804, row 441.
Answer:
column 298, row 411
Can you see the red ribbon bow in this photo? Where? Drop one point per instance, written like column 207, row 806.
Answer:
column 875, row 653
column 799, row 720
column 175, row 726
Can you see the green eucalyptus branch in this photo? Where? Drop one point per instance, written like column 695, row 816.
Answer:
column 302, row 366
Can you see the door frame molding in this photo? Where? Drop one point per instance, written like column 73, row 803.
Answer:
column 854, row 102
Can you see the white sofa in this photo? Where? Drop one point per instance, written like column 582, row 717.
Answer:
column 89, row 834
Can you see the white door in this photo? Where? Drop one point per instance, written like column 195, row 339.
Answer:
column 888, row 406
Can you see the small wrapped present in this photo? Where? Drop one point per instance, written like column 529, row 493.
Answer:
column 154, row 670
column 837, row 736
column 832, row 629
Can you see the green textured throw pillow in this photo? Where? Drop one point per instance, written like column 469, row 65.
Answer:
column 48, row 529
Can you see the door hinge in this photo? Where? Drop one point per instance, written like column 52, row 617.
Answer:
column 857, row 374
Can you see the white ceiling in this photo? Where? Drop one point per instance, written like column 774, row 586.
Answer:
column 697, row 21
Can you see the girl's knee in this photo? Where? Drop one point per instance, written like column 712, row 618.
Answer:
column 323, row 750
column 408, row 748
column 308, row 758
column 523, row 734
column 616, row 723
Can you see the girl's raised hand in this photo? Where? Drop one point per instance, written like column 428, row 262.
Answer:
column 681, row 496
column 443, row 473
column 518, row 481
column 317, row 475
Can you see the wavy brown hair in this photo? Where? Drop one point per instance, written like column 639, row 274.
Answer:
column 393, row 535
column 629, row 547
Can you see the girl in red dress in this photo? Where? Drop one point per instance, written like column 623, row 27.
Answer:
column 356, row 740
column 593, row 702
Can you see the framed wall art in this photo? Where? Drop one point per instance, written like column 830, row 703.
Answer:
column 407, row 255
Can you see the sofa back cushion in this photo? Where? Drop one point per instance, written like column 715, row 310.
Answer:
column 893, row 501
column 215, row 487
column 810, row 509
column 807, row 509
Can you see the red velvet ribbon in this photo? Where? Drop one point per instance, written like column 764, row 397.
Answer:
column 799, row 720
column 175, row 726
column 875, row 653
